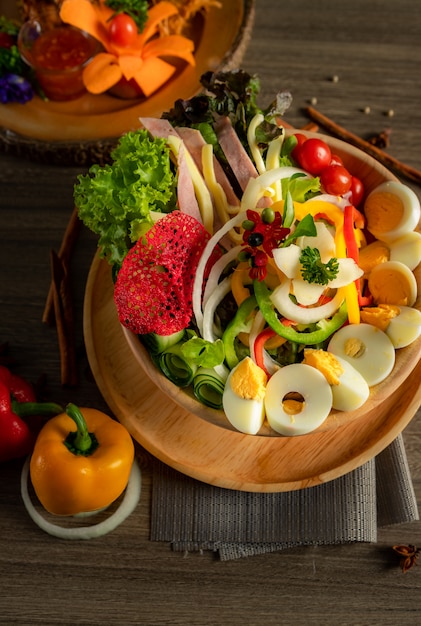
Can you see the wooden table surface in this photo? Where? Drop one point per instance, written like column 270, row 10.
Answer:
column 349, row 57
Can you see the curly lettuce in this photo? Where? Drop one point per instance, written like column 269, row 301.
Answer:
column 115, row 200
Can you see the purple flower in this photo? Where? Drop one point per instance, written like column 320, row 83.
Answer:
column 14, row 88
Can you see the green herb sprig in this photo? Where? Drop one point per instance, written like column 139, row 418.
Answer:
column 314, row 270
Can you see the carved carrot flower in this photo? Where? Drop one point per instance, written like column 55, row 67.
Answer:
column 141, row 58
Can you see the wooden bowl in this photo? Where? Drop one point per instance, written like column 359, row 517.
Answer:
column 372, row 174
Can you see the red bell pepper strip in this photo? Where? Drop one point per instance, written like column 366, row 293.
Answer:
column 353, row 218
column 17, row 400
column 259, row 345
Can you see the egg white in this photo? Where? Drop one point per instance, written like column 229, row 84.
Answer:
column 311, row 385
column 352, row 391
column 246, row 415
column 411, row 210
column 378, row 357
column 405, row 327
column 407, row 249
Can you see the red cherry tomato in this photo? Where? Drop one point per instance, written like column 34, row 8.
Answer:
column 123, row 30
column 336, row 180
column 336, row 160
column 357, row 191
column 314, row 156
column 300, row 140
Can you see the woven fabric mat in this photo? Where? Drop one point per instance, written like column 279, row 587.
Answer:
column 194, row 516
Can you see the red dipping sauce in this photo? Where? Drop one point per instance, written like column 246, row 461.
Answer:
column 58, row 57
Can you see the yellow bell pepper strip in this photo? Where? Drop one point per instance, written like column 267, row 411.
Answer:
column 239, row 276
column 141, row 61
column 327, row 329
column 82, row 469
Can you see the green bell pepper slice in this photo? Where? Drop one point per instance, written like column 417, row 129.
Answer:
column 330, row 326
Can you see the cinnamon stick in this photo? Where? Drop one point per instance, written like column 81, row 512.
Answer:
column 386, row 159
column 63, row 313
column 65, row 252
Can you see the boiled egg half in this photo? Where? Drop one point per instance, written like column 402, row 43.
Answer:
column 391, row 209
column 243, row 397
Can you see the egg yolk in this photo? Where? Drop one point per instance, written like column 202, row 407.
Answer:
column 383, row 211
column 389, row 287
column 373, row 254
column 248, row 380
column 379, row 316
column 326, row 363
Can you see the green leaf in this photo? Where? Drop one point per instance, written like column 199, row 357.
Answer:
column 204, row 353
column 300, row 187
column 305, row 228
column 314, row 270
column 115, row 200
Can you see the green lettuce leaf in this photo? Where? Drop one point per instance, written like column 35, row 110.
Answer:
column 115, row 200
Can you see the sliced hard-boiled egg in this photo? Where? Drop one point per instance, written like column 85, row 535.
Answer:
column 349, row 389
column 391, row 209
column 367, row 348
column 243, row 397
column 373, row 254
column 298, row 400
column 405, row 327
column 393, row 282
column 407, row 249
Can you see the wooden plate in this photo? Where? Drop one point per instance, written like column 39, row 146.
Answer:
column 220, row 456
column 91, row 124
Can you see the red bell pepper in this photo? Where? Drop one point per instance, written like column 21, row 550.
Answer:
column 17, row 400
column 352, row 217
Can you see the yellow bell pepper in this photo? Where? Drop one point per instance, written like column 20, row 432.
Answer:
column 81, row 461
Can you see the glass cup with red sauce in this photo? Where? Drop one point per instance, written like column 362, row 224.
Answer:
column 58, row 56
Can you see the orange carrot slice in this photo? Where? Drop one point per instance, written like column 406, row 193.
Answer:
column 130, row 65
column 156, row 14
column 88, row 17
column 102, row 73
column 154, row 73
column 171, row 46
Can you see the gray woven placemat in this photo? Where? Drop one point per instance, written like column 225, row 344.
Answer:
column 194, row 516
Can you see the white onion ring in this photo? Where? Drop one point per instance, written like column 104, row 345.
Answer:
column 127, row 506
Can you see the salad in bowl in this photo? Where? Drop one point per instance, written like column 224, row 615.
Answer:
column 265, row 278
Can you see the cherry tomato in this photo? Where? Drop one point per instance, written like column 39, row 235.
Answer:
column 123, row 30
column 314, row 156
column 336, row 180
column 336, row 160
column 300, row 140
column 357, row 191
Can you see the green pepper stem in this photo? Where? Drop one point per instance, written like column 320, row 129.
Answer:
column 82, row 442
column 27, row 409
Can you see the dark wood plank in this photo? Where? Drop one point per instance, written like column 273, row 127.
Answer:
column 373, row 50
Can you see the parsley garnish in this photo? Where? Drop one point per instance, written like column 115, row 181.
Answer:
column 313, row 270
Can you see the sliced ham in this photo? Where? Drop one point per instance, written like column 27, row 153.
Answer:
column 157, row 127
column 187, row 201
column 237, row 157
column 194, row 142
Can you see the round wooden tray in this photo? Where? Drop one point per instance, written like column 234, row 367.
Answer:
column 85, row 130
column 220, row 456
